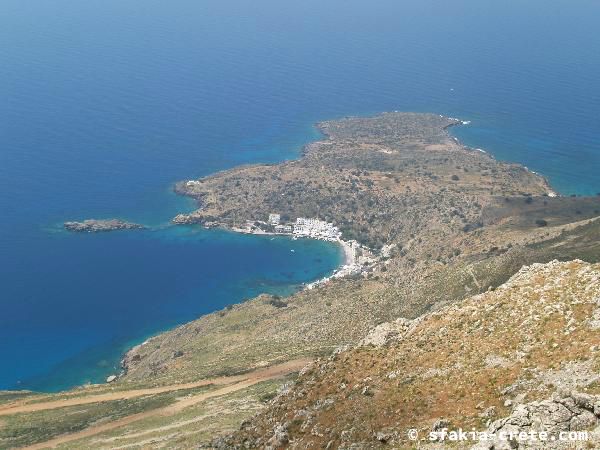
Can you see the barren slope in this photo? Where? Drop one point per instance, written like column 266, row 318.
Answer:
column 531, row 348
column 388, row 181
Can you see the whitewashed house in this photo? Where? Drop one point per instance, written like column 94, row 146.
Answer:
column 283, row 228
column 316, row 228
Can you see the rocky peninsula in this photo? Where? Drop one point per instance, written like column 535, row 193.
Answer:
column 445, row 328
column 101, row 225
column 365, row 177
column 442, row 221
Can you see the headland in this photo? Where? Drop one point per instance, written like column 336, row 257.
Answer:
column 433, row 223
column 436, row 221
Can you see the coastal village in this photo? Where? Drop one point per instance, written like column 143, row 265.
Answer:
column 306, row 227
column 302, row 227
column 358, row 260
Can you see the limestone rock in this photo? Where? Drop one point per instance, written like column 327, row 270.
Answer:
column 572, row 413
column 99, row 225
column 386, row 333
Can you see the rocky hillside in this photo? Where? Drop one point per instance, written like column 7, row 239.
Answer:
column 446, row 222
column 380, row 179
column 522, row 357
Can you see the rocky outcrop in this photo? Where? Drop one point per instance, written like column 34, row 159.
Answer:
column 386, row 333
column 525, row 352
column 559, row 414
column 99, row 225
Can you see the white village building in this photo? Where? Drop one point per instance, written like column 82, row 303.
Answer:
column 306, row 227
column 316, row 228
column 283, row 229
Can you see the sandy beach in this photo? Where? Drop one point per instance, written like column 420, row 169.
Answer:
column 349, row 253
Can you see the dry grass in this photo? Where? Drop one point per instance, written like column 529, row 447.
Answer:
column 454, row 364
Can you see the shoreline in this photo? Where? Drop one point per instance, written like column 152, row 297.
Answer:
column 349, row 264
column 349, row 253
column 552, row 192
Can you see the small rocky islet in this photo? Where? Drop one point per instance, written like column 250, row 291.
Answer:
column 101, row 225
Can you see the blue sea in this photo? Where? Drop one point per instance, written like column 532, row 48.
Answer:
column 104, row 104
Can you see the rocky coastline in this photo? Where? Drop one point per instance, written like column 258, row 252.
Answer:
column 438, row 332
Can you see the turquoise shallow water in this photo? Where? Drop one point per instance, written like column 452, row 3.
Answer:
column 104, row 104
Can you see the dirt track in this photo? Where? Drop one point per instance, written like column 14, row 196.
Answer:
column 234, row 383
column 267, row 373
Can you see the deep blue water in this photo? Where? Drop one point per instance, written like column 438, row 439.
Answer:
column 105, row 103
